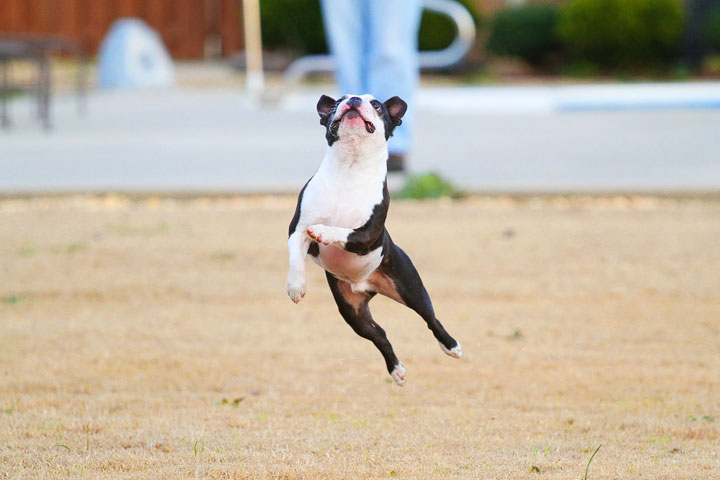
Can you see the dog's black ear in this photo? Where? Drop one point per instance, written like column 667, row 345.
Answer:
column 324, row 108
column 396, row 107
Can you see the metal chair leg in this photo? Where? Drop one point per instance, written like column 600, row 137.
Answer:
column 44, row 91
column 81, row 84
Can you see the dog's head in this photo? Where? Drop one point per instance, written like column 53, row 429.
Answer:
column 359, row 116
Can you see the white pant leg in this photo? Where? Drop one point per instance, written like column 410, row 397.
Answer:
column 393, row 59
column 344, row 22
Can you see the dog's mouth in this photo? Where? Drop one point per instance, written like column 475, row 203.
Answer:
column 350, row 114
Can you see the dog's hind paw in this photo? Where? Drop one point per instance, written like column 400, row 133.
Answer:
column 455, row 352
column 398, row 374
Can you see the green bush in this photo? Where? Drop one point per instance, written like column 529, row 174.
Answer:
column 622, row 33
column 294, row 25
column 526, row 32
column 437, row 31
column 711, row 28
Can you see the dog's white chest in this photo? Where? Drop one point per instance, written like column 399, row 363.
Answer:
column 348, row 206
column 348, row 202
column 342, row 197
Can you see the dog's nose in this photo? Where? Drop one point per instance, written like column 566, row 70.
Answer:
column 354, row 102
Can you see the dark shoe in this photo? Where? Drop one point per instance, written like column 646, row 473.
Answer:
column 396, row 163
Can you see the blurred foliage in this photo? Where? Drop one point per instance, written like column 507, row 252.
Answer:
column 622, row 33
column 428, row 185
column 711, row 65
column 438, row 31
column 711, row 28
column 296, row 25
column 581, row 69
column 526, row 32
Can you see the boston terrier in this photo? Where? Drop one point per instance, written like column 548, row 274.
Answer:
column 340, row 222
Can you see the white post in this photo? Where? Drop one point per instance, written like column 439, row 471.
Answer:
column 255, row 78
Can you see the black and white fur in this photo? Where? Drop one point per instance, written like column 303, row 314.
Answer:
column 340, row 222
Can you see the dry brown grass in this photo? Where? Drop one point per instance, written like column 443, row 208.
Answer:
column 124, row 324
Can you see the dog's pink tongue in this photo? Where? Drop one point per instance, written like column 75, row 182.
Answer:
column 370, row 127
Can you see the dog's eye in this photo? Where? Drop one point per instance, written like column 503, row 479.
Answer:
column 377, row 105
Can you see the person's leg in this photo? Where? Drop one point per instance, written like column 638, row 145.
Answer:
column 343, row 20
column 393, row 59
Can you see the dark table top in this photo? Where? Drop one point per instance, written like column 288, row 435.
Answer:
column 33, row 46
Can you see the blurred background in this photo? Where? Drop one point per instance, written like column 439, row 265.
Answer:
column 216, row 96
column 151, row 153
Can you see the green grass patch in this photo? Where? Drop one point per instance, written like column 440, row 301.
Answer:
column 76, row 248
column 587, row 467
column 134, row 230
column 10, row 409
column 14, row 299
column 199, row 446
column 428, row 185
column 233, row 403
column 222, row 256
column 69, row 249
column 27, row 250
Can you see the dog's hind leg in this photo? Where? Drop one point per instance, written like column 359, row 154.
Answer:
column 398, row 279
column 354, row 309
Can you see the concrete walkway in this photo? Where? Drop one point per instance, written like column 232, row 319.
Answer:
column 480, row 138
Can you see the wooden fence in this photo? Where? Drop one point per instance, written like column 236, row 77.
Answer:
column 189, row 28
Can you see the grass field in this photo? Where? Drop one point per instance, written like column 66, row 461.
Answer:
column 153, row 338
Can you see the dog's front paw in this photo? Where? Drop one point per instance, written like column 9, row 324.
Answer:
column 296, row 289
column 325, row 235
